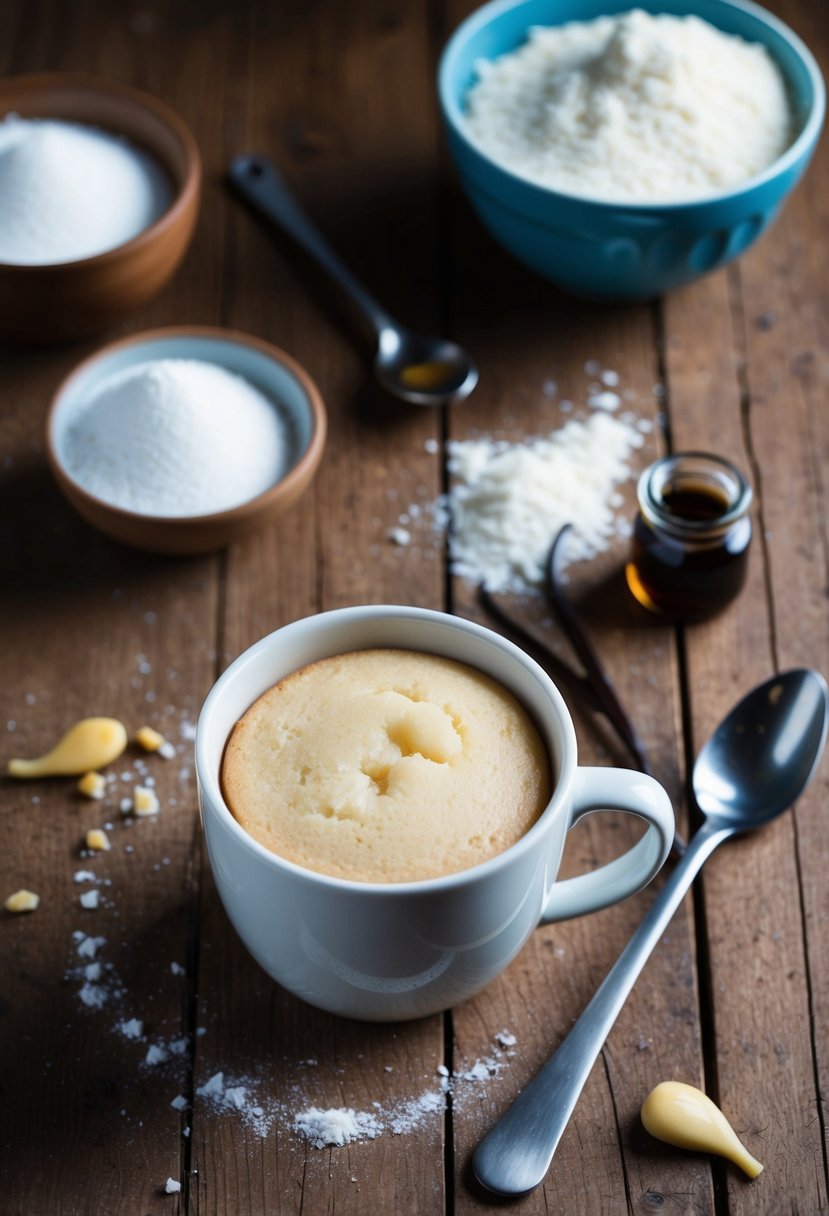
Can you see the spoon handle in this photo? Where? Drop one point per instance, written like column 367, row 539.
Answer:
column 516, row 1154
column 260, row 183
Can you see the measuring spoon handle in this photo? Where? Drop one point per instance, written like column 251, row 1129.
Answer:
column 260, row 183
column 514, row 1157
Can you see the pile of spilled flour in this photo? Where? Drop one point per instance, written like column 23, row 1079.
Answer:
column 508, row 501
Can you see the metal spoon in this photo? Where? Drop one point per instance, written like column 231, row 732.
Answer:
column 422, row 371
column 757, row 762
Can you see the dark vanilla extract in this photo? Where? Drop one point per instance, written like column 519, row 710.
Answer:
column 689, row 551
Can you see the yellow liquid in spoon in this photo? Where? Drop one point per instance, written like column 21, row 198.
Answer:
column 682, row 1115
column 427, row 377
column 88, row 745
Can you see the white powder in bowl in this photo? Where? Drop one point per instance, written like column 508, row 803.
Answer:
column 176, row 437
column 632, row 107
column 69, row 191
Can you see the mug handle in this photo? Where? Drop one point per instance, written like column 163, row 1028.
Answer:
column 618, row 789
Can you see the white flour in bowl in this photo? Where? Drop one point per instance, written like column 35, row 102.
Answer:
column 176, row 437
column 632, row 107
column 69, row 191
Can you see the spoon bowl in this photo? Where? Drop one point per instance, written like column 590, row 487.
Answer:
column 423, row 371
column 757, row 762
column 764, row 753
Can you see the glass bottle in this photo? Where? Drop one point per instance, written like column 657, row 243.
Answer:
column 689, row 550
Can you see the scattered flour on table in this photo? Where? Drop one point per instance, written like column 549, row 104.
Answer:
column 634, row 106
column 176, row 437
column 508, row 500
column 69, row 191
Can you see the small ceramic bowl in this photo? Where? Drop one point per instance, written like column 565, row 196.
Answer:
column 266, row 367
column 617, row 250
column 55, row 302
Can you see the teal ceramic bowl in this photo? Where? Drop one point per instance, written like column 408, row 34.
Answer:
column 621, row 251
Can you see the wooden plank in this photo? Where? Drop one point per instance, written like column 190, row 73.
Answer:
column 774, row 1044
column 91, row 628
column 340, row 153
column 537, row 350
column 762, row 1071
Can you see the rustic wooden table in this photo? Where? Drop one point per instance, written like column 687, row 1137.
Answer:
column 735, row 998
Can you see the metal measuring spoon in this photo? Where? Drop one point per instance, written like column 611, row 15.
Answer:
column 754, row 766
column 422, row 371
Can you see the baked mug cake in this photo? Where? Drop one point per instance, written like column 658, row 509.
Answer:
column 386, row 766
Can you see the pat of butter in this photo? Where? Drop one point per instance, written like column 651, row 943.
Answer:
column 98, row 840
column 89, row 745
column 22, row 901
column 93, row 785
column 682, row 1115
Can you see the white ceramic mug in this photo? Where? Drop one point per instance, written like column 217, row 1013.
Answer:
column 385, row 952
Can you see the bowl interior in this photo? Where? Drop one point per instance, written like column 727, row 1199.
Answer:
column 501, row 27
column 254, row 363
column 121, row 111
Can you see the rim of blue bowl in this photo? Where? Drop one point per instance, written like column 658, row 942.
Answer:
column 454, row 117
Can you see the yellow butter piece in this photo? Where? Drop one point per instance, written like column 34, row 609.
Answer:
column 149, row 739
column 98, row 840
column 683, row 1115
column 90, row 744
column 22, row 901
column 93, row 785
column 144, row 801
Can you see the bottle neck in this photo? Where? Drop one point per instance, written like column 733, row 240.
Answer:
column 693, row 496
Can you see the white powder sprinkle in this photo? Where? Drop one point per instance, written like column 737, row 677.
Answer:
column 179, row 1102
column 132, row 1028
column 156, row 1054
column 93, row 996
column 336, row 1126
column 604, row 401
column 213, row 1088
column 85, row 876
column 88, row 946
column 508, row 501
column 90, row 899
column 399, row 536
column 177, row 969
column 172, row 1187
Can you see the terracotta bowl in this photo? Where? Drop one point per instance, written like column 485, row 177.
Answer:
column 266, row 367
column 51, row 303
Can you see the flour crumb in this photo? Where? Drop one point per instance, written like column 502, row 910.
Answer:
column 506, row 1038
column 172, row 1187
column 604, row 400
column 132, row 1028
column 213, row 1088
